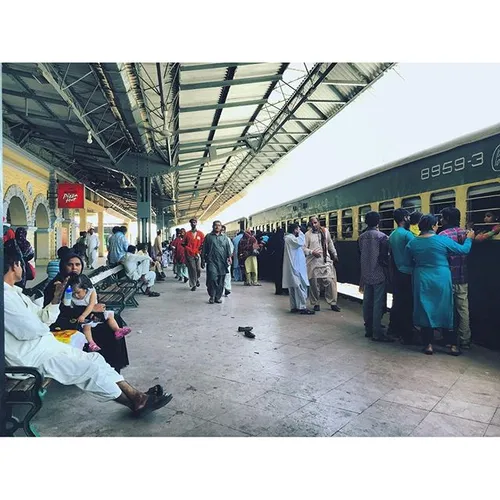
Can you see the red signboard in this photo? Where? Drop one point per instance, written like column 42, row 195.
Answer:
column 70, row 195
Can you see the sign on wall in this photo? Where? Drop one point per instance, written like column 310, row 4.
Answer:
column 70, row 195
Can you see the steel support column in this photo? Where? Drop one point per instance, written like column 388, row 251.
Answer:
column 144, row 208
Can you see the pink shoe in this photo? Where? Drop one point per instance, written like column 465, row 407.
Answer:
column 119, row 334
column 94, row 347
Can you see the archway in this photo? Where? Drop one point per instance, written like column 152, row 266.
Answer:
column 42, row 234
column 16, row 213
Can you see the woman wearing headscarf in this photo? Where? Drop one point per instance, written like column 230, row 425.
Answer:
column 248, row 249
column 113, row 350
column 428, row 254
column 28, row 254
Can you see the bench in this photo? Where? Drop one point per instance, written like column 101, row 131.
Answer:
column 24, row 387
column 115, row 289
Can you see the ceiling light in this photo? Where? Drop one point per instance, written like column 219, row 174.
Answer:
column 89, row 138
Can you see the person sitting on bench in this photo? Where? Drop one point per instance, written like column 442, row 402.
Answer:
column 137, row 268
column 29, row 342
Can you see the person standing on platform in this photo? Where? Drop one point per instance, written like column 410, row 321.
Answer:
column 276, row 249
column 402, row 293
column 227, row 279
column 157, row 248
column 295, row 270
column 374, row 249
column 414, row 220
column 180, row 256
column 237, row 274
column 193, row 243
column 216, row 256
column 432, row 285
column 118, row 246
column 248, row 250
column 320, row 255
column 92, row 242
column 459, row 276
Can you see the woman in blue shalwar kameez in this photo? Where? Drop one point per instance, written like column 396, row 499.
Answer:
column 432, row 286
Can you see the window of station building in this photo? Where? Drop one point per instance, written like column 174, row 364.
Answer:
column 347, row 223
column 332, row 227
column 362, row 212
column 480, row 200
column 413, row 204
column 386, row 211
column 442, row 200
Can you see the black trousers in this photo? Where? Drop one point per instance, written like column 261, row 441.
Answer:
column 402, row 306
column 215, row 286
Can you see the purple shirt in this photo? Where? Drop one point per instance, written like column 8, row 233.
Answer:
column 374, row 249
column 458, row 263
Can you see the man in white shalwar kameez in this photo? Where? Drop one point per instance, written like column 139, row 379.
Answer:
column 92, row 242
column 295, row 271
column 320, row 256
column 29, row 342
column 227, row 279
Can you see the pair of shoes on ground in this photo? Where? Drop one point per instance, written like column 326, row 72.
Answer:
column 247, row 331
column 211, row 300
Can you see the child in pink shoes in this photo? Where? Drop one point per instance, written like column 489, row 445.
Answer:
column 84, row 295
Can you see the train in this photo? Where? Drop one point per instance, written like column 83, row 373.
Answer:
column 463, row 173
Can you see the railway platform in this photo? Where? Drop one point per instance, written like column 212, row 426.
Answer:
column 301, row 376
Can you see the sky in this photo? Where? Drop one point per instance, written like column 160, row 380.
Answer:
column 412, row 107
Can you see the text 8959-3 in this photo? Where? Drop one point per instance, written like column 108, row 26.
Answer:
column 448, row 167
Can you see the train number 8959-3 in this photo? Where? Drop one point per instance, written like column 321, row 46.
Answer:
column 476, row 160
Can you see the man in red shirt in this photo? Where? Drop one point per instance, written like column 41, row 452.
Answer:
column 193, row 243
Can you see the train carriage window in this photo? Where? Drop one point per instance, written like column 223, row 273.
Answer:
column 413, row 204
column 268, row 228
column 322, row 220
column 442, row 200
column 386, row 211
column 334, row 219
column 362, row 212
column 283, row 225
column 482, row 199
column 347, row 223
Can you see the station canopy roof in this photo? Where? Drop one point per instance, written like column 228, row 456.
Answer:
column 212, row 127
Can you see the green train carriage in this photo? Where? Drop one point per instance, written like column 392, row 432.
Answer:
column 464, row 173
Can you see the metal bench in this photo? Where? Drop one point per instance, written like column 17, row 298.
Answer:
column 24, row 388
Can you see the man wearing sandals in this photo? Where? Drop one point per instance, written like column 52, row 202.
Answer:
column 29, row 342
column 137, row 268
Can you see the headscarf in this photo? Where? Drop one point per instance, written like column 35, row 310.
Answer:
column 8, row 234
column 48, row 293
column 23, row 243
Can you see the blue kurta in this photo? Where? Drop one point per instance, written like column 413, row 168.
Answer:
column 432, row 287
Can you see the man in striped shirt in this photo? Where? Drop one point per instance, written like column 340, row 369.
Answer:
column 458, row 266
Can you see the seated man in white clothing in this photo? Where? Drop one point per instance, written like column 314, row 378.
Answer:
column 137, row 268
column 29, row 342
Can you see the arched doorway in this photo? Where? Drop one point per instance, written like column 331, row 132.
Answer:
column 16, row 213
column 42, row 234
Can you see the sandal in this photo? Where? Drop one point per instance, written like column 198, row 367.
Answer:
column 153, row 403
column 119, row 334
column 428, row 351
column 156, row 390
column 454, row 352
column 93, row 347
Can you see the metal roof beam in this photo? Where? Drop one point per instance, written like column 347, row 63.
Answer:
column 75, row 106
column 216, row 127
column 345, row 83
column 208, row 107
column 217, row 141
column 197, row 67
column 230, row 83
column 325, row 101
column 26, row 95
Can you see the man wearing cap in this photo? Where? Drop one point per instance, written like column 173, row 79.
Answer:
column 193, row 243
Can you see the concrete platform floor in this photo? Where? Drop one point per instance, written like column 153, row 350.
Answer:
column 301, row 376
